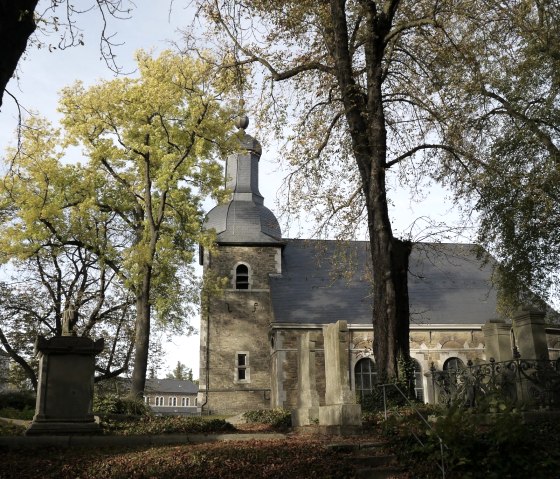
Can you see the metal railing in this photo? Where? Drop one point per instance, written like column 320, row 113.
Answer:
column 442, row 445
column 530, row 382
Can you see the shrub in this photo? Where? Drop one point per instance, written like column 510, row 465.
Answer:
column 475, row 446
column 278, row 417
column 375, row 402
column 167, row 425
column 8, row 429
column 13, row 413
column 19, row 400
column 113, row 404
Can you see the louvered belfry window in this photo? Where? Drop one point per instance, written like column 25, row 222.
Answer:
column 242, row 277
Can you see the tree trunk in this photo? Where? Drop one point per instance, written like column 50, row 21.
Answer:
column 142, row 336
column 28, row 370
column 385, row 323
column 366, row 120
column 17, row 23
column 401, row 255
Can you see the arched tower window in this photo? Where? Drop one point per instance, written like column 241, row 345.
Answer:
column 242, row 277
column 365, row 375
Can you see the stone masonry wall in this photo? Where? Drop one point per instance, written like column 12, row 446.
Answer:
column 237, row 321
column 426, row 345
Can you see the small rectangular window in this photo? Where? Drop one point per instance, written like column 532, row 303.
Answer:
column 242, row 367
column 174, row 401
column 241, row 359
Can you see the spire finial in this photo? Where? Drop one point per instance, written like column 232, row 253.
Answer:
column 242, row 120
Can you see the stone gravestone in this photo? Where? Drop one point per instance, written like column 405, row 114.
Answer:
column 497, row 339
column 307, row 411
column 529, row 327
column 341, row 414
column 65, row 390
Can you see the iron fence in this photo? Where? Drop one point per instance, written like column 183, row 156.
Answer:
column 533, row 383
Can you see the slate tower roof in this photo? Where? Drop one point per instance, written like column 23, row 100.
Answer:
column 244, row 219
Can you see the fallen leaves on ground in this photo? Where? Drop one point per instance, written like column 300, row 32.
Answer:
column 294, row 457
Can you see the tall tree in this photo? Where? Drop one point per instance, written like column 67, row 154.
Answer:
column 17, row 24
column 50, row 271
column 153, row 145
column 33, row 303
column 366, row 103
column 504, row 116
column 461, row 92
column 20, row 18
column 181, row 372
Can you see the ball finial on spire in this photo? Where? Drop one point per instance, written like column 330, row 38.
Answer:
column 242, row 120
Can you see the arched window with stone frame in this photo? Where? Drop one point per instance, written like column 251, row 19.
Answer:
column 365, row 376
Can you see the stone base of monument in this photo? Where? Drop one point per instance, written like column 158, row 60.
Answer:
column 341, row 419
column 62, row 428
column 65, row 392
column 305, row 416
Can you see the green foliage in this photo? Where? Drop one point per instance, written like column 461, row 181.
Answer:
column 153, row 145
column 181, row 372
column 508, row 134
column 475, row 445
column 167, row 425
column 278, row 418
column 9, row 429
column 113, row 404
column 13, row 413
column 390, row 397
column 19, row 400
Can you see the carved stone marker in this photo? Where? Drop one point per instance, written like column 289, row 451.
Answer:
column 65, row 391
column 307, row 411
column 340, row 414
column 497, row 338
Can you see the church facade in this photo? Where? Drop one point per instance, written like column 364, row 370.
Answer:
column 277, row 289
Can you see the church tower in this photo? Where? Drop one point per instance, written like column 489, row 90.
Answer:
column 234, row 347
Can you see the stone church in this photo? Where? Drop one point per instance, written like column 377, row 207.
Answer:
column 279, row 288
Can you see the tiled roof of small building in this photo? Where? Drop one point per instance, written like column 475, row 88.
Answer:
column 176, row 386
column 324, row 281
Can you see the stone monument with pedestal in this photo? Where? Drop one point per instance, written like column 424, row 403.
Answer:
column 307, row 412
column 65, row 390
column 341, row 414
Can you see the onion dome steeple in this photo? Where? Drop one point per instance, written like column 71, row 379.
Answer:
column 244, row 219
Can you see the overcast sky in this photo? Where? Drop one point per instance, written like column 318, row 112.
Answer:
column 152, row 27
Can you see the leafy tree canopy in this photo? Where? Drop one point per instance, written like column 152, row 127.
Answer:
column 153, row 145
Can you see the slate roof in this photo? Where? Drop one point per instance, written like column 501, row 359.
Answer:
column 243, row 222
column 324, row 281
column 244, row 219
column 176, row 386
